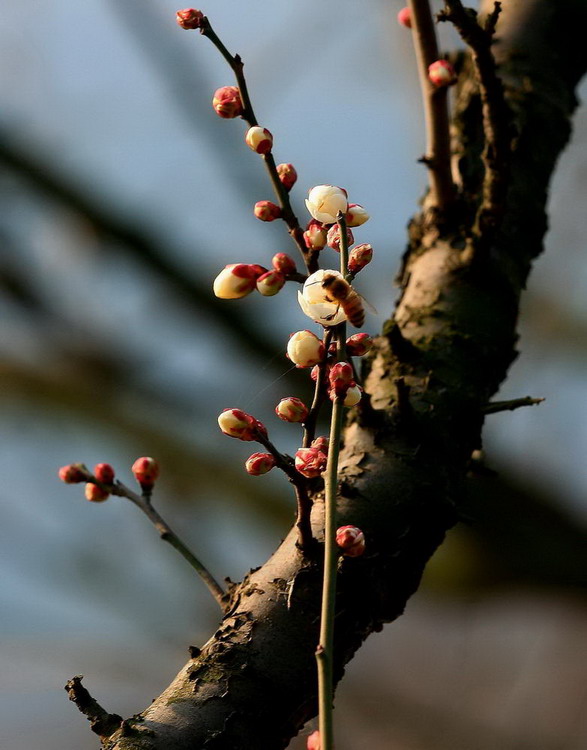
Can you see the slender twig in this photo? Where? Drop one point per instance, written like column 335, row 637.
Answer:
column 493, row 407
column 319, row 394
column 287, row 213
column 437, row 157
column 101, row 722
column 167, row 534
column 497, row 127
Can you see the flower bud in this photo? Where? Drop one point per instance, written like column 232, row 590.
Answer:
column 259, row 463
column 340, row 377
column 305, row 349
column 315, row 371
column 73, row 473
column 441, row 73
column 190, row 18
column 146, row 471
column 95, row 494
column 270, row 283
column 404, row 18
column 325, row 201
column 267, row 211
column 310, row 462
column 359, row 257
column 321, row 443
column 291, row 409
column 356, row 215
column 236, row 280
column 283, row 263
column 104, row 473
column 333, row 237
column 351, row 540
column 227, row 102
column 238, row 424
column 315, row 235
column 287, row 175
column 353, row 395
column 358, row 344
column 313, row 741
column 259, row 140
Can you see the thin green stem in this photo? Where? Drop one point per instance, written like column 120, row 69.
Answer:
column 311, row 419
column 167, row 534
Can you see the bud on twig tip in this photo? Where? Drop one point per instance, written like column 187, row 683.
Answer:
column 190, row 18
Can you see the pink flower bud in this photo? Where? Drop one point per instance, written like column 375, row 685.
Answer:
column 404, row 18
column 353, row 395
column 104, row 473
column 358, row 344
column 73, row 473
column 259, row 140
column 333, row 237
column 441, row 73
column 313, row 741
column 287, row 175
column 146, row 471
column 238, row 424
column 321, row 443
column 325, row 201
column 259, row 463
column 340, row 378
column 283, row 263
column 351, row 540
column 359, row 257
column 190, row 18
column 236, row 280
column 315, row 235
column 267, row 211
column 227, row 102
column 305, row 349
column 356, row 215
column 310, row 462
column 95, row 494
column 270, row 283
column 291, row 409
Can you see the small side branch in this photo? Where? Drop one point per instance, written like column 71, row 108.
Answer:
column 101, row 722
column 437, row 157
column 493, row 407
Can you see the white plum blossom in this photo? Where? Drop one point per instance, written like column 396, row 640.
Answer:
column 325, row 201
column 314, row 301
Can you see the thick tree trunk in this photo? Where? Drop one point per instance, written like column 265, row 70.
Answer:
column 446, row 349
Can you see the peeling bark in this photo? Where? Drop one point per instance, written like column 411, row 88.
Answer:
column 450, row 342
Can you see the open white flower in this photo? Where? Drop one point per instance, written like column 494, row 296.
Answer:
column 314, row 300
column 325, row 201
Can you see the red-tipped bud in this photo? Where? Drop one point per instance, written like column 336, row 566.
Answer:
column 259, row 140
column 358, row 344
column 321, row 443
column 305, row 349
column 259, row 463
column 333, row 237
column 404, row 18
column 340, row 378
column 236, row 280
column 238, row 424
column 104, row 473
column 73, row 473
column 190, row 18
column 359, row 257
column 227, row 102
column 146, row 471
column 441, row 73
column 291, row 409
column 270, row 283
column 313, row 741
column 310, row 462
column 95, row 494
column 356, row 215
column 353, row 395
column 351, row 541
column 287, row 175
column 315, row 235
column 283, row 263
column 267, row 211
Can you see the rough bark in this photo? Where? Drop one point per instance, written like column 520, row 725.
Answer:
column 450, row 341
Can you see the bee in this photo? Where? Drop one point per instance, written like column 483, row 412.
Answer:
column 336, row 289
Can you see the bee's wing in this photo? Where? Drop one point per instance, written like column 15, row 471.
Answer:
column 368, row 305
